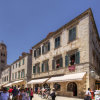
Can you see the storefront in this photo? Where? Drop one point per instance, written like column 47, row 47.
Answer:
column 38, row 83
column 97, row 83
column 68, row 85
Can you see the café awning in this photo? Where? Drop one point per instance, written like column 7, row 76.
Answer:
column 76, row 76
column 69, row 77
column 17, row 81
column 9, row 84
column 37, row 81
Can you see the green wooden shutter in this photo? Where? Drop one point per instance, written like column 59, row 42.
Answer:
column 74, row 33
column 66, row 60
column 42, row 67
column 34, row 69
column 48, row 46
column 77, row 57
column 61, row 62
column 53, row 64
column 43, row 49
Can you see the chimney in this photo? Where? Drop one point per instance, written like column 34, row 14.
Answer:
column 23, row 53
column 20, row 57
column 31, row 51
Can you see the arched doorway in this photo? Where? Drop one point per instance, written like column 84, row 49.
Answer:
column 72, row 87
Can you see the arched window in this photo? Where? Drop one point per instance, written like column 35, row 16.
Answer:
column 57, row 86
column 45, row 85
column 72, row 87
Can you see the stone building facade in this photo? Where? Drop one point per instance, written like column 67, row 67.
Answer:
column 20, row 70
column 5, row 76
column 3, row 57
column 70, row 50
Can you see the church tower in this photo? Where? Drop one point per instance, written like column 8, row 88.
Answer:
column 3, row 56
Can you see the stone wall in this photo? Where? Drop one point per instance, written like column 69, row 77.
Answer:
column 81, row 43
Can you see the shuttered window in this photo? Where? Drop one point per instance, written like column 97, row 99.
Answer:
column 34, row 53
column 34, row 69
column 42, row 67
column 57, row 42
column 53, row 64
column 77, row 57
column 38, row 69
column 48, row 46
column 43, row 49
column 72, row 34
column 66, row 60
column 61, row 62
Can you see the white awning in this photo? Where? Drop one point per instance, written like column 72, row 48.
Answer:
column 70, row 77
column 76, row 76
column 38, row 81
column 55, row 79
column 9, row 84
column 17, row 81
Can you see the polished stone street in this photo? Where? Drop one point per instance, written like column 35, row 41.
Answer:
column 36, row 97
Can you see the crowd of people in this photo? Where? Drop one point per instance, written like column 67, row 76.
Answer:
column 13, row 93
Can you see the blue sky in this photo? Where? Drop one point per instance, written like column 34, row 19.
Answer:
column 23, row 23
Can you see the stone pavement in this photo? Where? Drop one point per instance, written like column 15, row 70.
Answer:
column 36, row 97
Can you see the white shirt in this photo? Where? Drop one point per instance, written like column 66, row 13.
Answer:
column 4, row 96
column 88, row 93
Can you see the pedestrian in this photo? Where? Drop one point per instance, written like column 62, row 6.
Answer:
column 53, row 95
column 31, row 95
column 88, row 95
column 15, row 93
column 5, row 94
column 28, row 94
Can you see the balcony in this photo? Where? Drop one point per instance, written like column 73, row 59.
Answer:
column 71, row 68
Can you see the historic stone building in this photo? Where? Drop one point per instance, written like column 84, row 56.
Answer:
column 69, row 58
column 3, row 57
column 6, row 75
column 20, row 70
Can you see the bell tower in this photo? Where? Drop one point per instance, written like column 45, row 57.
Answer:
column 3, row 56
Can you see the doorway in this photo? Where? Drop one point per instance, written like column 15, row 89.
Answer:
column 72, row 87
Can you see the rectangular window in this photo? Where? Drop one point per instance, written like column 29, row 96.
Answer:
column 72, row 58
column 72, row 34
column 13, row 66
column 12, row 76
column 57, row 42
column 18, row 74
column 19, row 64
column 46, row 47
column 57, row 62
column 45, row 66
column 23, row 73
column 23, row 61
column 16, row 65
column 34, row 69
column 37, row 52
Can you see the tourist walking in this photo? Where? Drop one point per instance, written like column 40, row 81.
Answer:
column 15, row 93
column 4, row 95
column 53, row 95
column 88, row 95
column 31, row 95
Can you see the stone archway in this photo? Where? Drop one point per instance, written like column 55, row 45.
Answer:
column 72, row 87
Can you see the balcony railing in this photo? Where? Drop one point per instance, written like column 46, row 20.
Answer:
column 71, row 68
